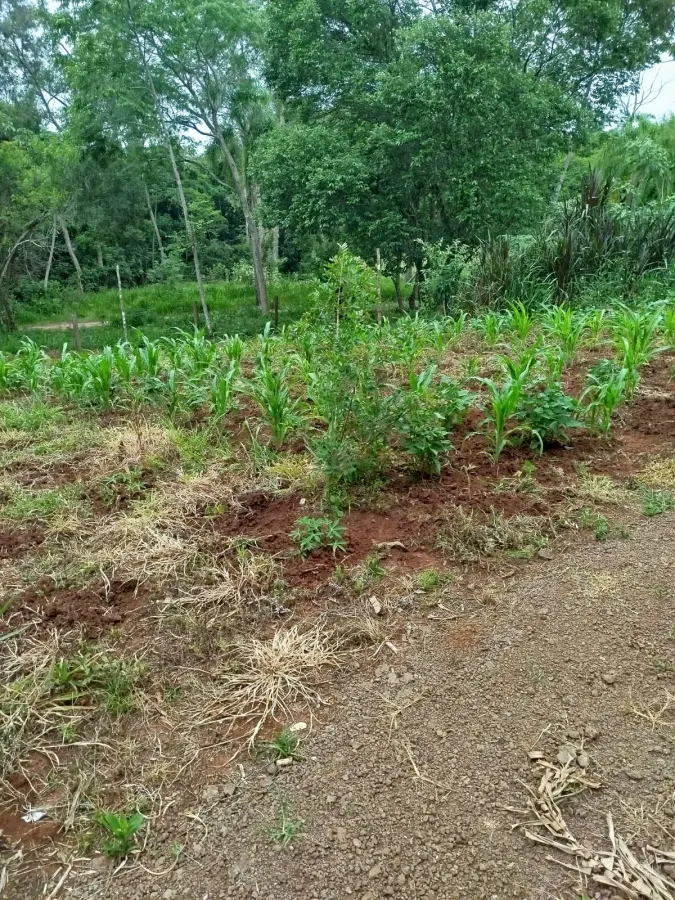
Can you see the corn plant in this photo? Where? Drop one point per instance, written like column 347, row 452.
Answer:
column 566, row 327
column 490, row 327
column 6, row 379
column 68, row 375
column 554, row 360
column 270, row 390
column 519, row 368
column 503, row 400
column 123, row 364
column 222, row 391
column 668, row 326
column 234, row 350
column 99, row 382
column 147, row 360
column 452, row 329
column 28, row 366
column 521, row 322
column 199, row 351
column 635, row 342
column 594, row 325
column 607, row 388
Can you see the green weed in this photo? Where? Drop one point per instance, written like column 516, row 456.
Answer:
column 285, row 828
column 284, row 745
column 96, row 675
column 121, row 829
column 313, row 534
column 655, row 502
column 428, row 580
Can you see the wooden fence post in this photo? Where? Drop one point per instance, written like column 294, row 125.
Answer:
column 77, row 343
column 122, row 310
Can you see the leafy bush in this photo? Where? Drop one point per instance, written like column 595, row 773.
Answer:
column 425, row 414
column 548, row 415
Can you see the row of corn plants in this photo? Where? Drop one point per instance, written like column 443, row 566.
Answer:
column 361, row 396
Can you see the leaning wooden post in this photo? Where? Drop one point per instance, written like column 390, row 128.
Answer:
column 379, row 286
column 122, row 310
column 77, row 343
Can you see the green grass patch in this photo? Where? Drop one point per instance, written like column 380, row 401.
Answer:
column 29, row 415
column 22, row 503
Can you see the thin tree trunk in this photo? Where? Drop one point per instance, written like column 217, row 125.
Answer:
column 191, row 234
column 5, row 303
column 99, row 256
column 122, row 309
column 275, row 249
column 415, row 291
column 399, row 292
column 563, row 176
column 153, row 219
column 192, row 237
column 72, row 254
column 251, row 227
column 50, row 258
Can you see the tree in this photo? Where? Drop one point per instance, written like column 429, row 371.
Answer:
column 451, row 140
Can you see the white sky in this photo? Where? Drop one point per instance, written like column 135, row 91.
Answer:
column 658, row 83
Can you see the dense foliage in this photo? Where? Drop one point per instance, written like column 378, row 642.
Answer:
column 230, row 139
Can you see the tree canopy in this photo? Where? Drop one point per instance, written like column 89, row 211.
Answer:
column 179, row 139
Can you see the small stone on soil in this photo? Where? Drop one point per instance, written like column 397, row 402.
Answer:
column 566, row 755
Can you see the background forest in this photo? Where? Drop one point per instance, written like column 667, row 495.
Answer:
column 221, row 151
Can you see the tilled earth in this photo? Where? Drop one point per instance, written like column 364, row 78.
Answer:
column 407, row 771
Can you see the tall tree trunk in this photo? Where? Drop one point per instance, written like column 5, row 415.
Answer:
column 99, row 256
column 72, row 254
column 397, row 288
column 251, row 227
column 192, row 237
column 153, row 219
column 563, row 176
column 50, row 258
column 5, row 302
column 275, row 249
column 414, row 298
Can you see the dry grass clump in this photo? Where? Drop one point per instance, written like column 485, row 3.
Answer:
column 250, row 580
column 469, row 536
column 265, row 677
column 151, row 541
column 659, row 472
column 365, row 631
column 191, row 495
column 599, row 489
column 129, row 445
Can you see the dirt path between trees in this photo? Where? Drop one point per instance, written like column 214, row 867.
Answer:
column 408, row 767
